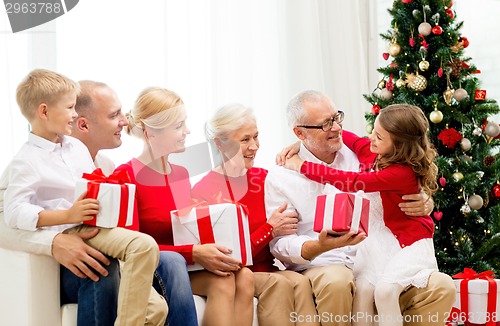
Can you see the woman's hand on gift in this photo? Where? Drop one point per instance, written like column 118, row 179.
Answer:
column 283, row 223
column 214, row 258
column 313, row 248
column 287, row 153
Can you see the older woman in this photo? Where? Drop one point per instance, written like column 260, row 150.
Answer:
column 284, row 296
column 159, row 119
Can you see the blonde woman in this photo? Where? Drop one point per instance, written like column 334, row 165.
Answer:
column 159, row 119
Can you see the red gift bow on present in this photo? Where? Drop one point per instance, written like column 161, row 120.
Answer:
column 469, row 274
column 118, row 177
column 204, row 222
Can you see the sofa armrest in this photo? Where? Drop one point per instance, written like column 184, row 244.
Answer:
column 30, row 292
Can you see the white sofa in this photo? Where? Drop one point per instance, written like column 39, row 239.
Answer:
column 29, row 292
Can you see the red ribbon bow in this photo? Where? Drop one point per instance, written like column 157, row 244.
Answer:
column 469, row 274
column 118, row 177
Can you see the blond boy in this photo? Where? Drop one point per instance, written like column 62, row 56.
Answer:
column 40, row 182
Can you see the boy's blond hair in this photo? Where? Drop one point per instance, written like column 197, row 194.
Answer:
column 42, row 86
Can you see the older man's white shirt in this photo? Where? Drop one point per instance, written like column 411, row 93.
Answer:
column 287, row 186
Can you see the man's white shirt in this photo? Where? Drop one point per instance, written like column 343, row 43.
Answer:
column 287, row 186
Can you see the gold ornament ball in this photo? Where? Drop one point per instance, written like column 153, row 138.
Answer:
column 369, row 128
column 492, row 129
column 465, row 144
column 400, row 83
column 394, row 49
column 418, row 83
column 423, row 65
column 460, row 94
column 436, row 116
column 475, row 202
column 457, row 176
column 385, row 94
column 425, row 29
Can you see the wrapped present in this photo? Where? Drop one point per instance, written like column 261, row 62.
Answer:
column 478, row 298
column 225, row 224
column 115, row 194
column 341, row 212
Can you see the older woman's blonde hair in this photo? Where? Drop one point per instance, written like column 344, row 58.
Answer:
column 156, row 108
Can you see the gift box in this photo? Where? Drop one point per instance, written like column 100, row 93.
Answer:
column 225, row 224
column 342, row 212
column 115, row 194
column 478, row 298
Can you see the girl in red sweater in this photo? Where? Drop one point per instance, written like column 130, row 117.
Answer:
column 399, row 252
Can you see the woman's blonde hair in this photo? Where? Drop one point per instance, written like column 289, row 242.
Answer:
column 42, row 86
column 408, row 128
column 155, row 107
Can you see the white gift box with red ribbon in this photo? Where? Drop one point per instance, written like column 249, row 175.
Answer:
column 115, row 195
column 478, row 302
column 224, row 224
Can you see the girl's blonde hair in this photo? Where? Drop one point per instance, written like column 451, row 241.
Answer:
column 408, row 128
column 42, row 86
column 156, row 108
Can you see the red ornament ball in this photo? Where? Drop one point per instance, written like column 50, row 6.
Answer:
column 465, row 41
column 450, row 13
column 495, row 191
column 442, row 181
column 406, row 1
column 375, row 109
column 437, row 30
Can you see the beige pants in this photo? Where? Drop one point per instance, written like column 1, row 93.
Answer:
column 285, row 298
column 137, row 303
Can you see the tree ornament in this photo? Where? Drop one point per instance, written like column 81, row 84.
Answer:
column 416, row 82
column 456, row 67
column 488, row 161
column 477, row 131
column 495, row 191
column 440, row 72
column 464, row 41
column 400, row 83
column 381, row 84
column 425, row 29
column 480, row 95
column 385, row 55
column 457, row 176
column 450, row 13
column 406, row 1
column 423, row 65
column 369, row 128
column 475, row 202
column 460, row 94
column 375, row 109
column 436, row 116
column 465, row 144
column 442, row 181
column 394, row 49
column 448, row 93
column 465, row 209
column 466, row 158
column 437, row 30
column 492, row 129
column 438, row 215
column 450, row 137
column 416, row 14
column 480, row 174
column 457, row 46
column 385, row 94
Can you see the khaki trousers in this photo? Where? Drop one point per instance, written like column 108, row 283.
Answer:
column 139, row 254
column 285, row 297
column 333, row 287
column 431, row 305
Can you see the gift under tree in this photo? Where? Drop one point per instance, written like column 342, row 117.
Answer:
column 427, row 67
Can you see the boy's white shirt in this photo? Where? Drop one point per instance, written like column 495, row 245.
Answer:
column 39, row 241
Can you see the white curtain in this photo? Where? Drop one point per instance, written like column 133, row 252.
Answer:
column 259, row 53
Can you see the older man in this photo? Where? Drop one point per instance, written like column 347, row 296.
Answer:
column 318, row 125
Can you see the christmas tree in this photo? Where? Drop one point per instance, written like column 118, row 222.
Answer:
column 427, row 67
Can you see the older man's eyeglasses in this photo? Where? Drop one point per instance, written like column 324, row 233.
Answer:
column 338, row 118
